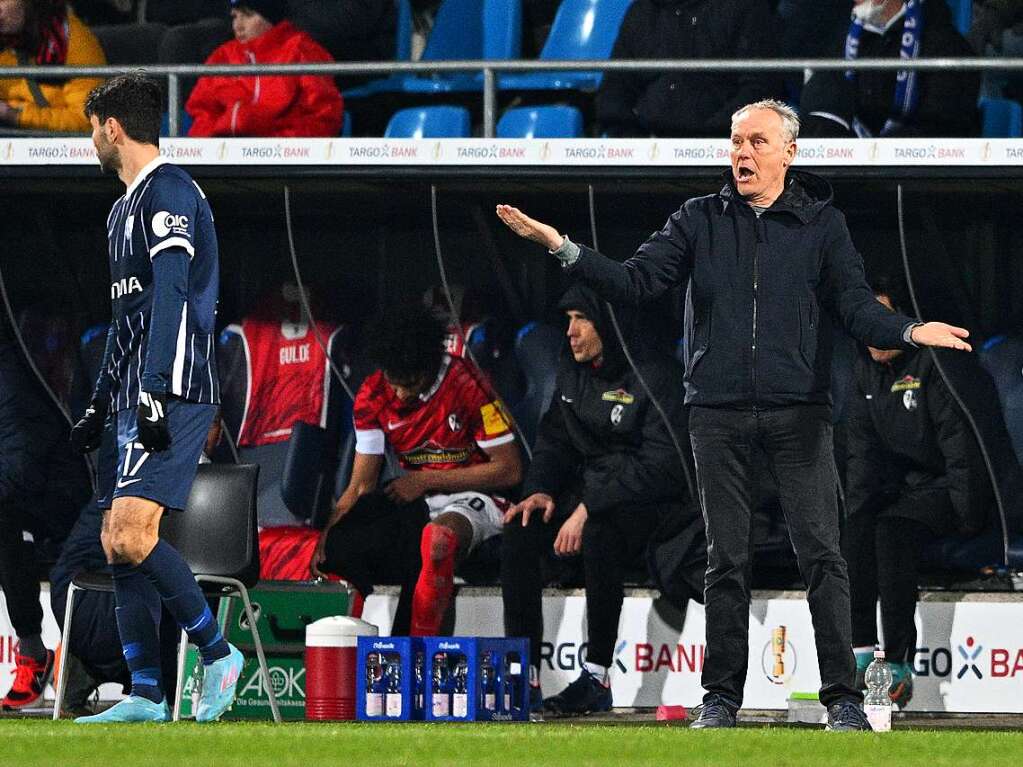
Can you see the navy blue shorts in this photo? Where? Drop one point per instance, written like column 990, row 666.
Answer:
column 165, row 477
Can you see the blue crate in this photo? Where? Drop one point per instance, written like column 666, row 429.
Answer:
column 386, row 702
column 458, row 696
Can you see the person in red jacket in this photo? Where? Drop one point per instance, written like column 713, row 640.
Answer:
column 304, row 105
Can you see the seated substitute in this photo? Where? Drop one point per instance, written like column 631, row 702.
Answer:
column 889, row 103
column 282, row 106
column 42, row 486
column 605, row 477
column 914, row 472
column 456, row 444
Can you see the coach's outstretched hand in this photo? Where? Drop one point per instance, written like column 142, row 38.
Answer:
column 940, row 334
column 529, row 228
column 152, row 422
column 87, row 434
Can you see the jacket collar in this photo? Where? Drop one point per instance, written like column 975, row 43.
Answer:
column 805, row 195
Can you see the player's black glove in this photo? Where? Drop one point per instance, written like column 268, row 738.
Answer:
column 87, row 434
column 152, row 422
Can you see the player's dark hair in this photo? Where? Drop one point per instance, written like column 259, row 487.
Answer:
column 134, row 101
column 407, row 342
column 893, row 286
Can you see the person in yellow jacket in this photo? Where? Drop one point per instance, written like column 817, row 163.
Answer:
column 45, row 32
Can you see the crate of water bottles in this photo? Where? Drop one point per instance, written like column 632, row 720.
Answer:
column 391, row 679
column 476, row 679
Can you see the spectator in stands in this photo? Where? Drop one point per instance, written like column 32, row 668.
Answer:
column 991, row 18
column 606, row 474
column 96, row 12
column 914, row 473
column 303, row 105
column 886, row 102
column 42, row 487
column 686, row 103
column 45, row 33
column 455, row 442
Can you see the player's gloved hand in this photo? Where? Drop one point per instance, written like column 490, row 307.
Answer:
column 152, row 422
column 87, row 434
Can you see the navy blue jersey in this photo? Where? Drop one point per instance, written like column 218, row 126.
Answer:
column 164, row 280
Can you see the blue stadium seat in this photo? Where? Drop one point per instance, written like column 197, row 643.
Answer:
column 582, row 29
column 962, row 15
column 429, row 122
column 1002, row 118
column 458, row 33
column 541, row 122
column 403, row 43
column 537, row 347
column 184, row 123
column 1002, row 357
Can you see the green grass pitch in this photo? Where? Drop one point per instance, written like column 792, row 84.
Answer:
column 32, row 743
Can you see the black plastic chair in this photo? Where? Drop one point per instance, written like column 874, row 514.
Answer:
column 218, row 537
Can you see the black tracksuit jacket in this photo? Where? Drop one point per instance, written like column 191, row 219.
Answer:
column 757, row 289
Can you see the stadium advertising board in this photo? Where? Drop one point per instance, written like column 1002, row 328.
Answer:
column 517, row 152
column 969, row 657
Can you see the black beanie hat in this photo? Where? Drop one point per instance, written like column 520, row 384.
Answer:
column 273, row 11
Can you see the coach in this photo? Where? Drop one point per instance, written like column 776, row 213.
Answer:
column 765, row 259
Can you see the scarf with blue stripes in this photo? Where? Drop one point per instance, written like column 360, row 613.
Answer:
column 907, row 91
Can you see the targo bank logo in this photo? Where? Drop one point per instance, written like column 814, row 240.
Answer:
column 641, row 657
column 971, row 660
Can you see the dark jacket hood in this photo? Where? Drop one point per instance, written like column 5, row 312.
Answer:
column 805, row 195
column 581, row 298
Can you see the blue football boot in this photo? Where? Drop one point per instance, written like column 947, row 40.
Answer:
column 219, row 684
column 134, row 708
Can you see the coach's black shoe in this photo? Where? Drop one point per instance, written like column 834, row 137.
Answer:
column 847, row 716
column 716, row 711
column 586, row 695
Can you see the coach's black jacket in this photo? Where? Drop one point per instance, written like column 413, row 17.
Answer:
column 602, row 429
column 905, row 432
column 758, row 290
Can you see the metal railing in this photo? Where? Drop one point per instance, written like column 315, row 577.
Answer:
column 491, row 68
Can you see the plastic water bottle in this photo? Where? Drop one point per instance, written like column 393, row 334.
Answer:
column 460, row 698
column 393, row 698
column 374, row 685
column 877, row 704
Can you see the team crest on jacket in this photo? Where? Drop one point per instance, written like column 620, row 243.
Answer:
column 620, row 396
column 616, row 414
column 453, row 423
column 909, row 399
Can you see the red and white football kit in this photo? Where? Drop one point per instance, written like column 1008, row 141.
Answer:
column 448, row 426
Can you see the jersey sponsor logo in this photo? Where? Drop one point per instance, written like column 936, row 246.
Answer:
column 495, row 420
column 906, row 383
column 124, row 287
column 620, row 396
column 164, row 223
column 431, row 453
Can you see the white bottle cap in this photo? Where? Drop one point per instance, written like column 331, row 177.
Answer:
column 879, row 654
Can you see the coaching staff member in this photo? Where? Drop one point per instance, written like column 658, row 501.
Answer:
column 764, row 259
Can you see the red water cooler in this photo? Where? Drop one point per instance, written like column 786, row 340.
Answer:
column 330, row 667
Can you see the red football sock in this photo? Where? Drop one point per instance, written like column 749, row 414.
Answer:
column 436, row 580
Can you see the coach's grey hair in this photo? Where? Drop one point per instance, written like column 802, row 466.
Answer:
column 789, row 118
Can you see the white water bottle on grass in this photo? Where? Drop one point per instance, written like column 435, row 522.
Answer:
column 877, row 704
